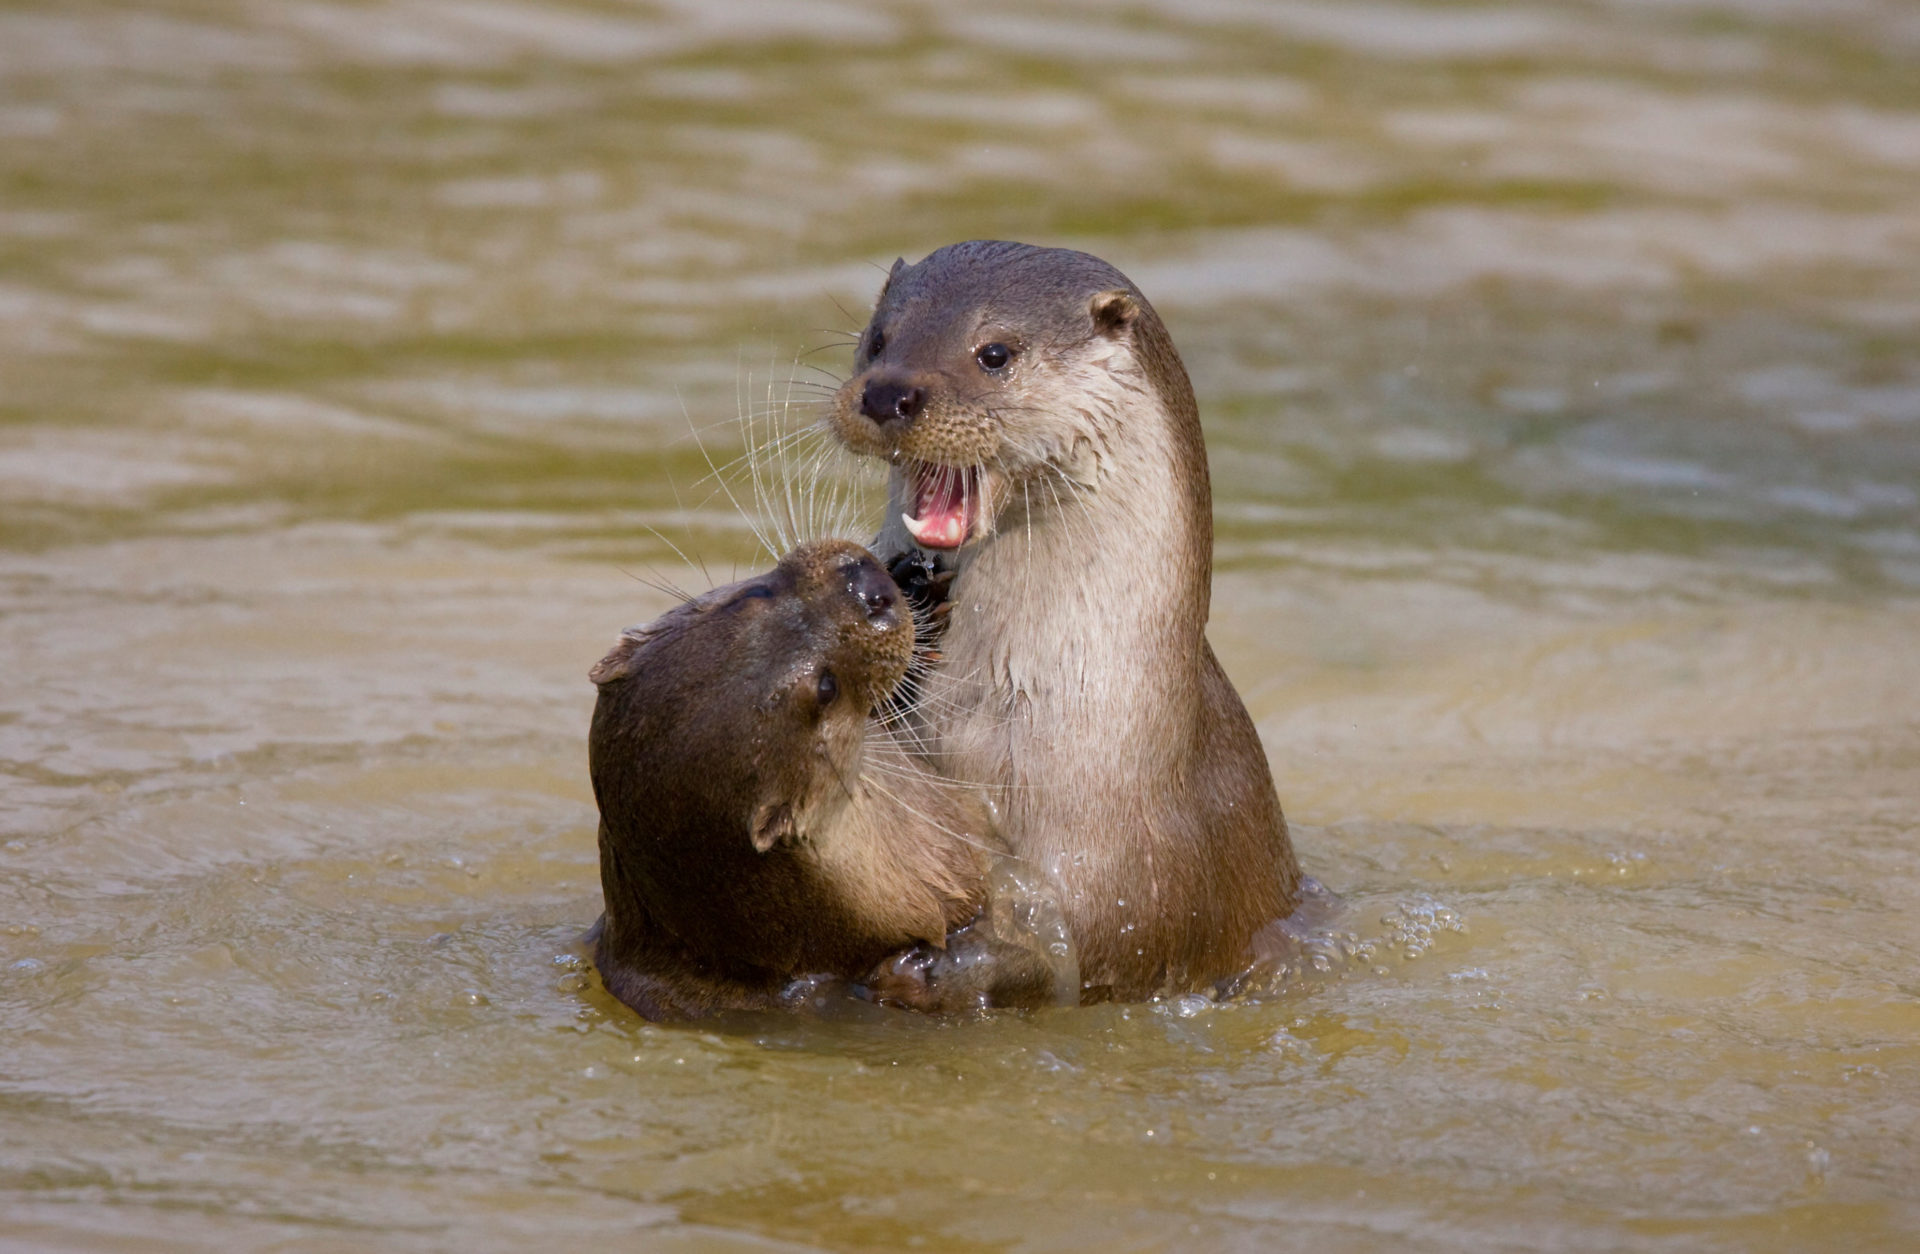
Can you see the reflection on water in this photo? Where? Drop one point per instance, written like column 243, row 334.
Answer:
column 1561, row 373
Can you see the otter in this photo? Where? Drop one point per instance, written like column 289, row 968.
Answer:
column 1046, row 455
column 759, row 822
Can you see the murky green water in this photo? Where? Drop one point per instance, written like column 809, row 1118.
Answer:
column 1561, row 366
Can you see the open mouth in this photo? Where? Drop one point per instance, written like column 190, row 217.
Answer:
column 945, row 504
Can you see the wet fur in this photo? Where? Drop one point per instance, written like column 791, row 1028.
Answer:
column 750, row 835
column 1077, row 683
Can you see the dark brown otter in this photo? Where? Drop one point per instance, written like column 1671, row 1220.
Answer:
column 757, row 821
column 1046, row 447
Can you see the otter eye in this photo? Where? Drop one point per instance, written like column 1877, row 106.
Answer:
column 875, row 342
column 992, row 356
column 828, row 688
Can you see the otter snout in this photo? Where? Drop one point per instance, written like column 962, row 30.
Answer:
column 890, row 399
column 876, row 591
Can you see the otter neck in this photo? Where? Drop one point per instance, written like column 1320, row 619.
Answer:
column 1044, row 648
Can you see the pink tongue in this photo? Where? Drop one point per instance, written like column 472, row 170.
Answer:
column 941, row 503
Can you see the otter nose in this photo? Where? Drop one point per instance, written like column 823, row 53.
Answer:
column 888, row 400
column 875, row 588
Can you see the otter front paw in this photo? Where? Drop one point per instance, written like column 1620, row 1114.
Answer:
column 925, row 586
column 913, row 980
column 973, row 973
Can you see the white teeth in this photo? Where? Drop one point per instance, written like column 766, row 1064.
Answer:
column 915, row 528
column 934, row 535
column 947, row 528
column 929, row 535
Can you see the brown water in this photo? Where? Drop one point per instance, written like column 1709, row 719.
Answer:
column 1561, row 366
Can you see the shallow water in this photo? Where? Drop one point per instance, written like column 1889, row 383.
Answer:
column 1561, row 367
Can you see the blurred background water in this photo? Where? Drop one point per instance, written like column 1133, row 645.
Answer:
column 1561, row 370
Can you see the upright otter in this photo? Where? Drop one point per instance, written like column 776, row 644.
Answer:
column 757, row 823
column 1045, row 444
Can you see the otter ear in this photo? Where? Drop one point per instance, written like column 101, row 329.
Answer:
column 1113, row 311
column 899, row 264
column 772, row 825
column 619, row 663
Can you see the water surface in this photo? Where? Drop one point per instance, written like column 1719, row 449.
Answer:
column 1561, row 371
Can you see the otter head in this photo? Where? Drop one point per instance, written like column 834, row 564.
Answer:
column 741, row 715
column 993, row 372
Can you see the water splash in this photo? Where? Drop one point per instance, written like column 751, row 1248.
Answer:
column 1324, row 941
